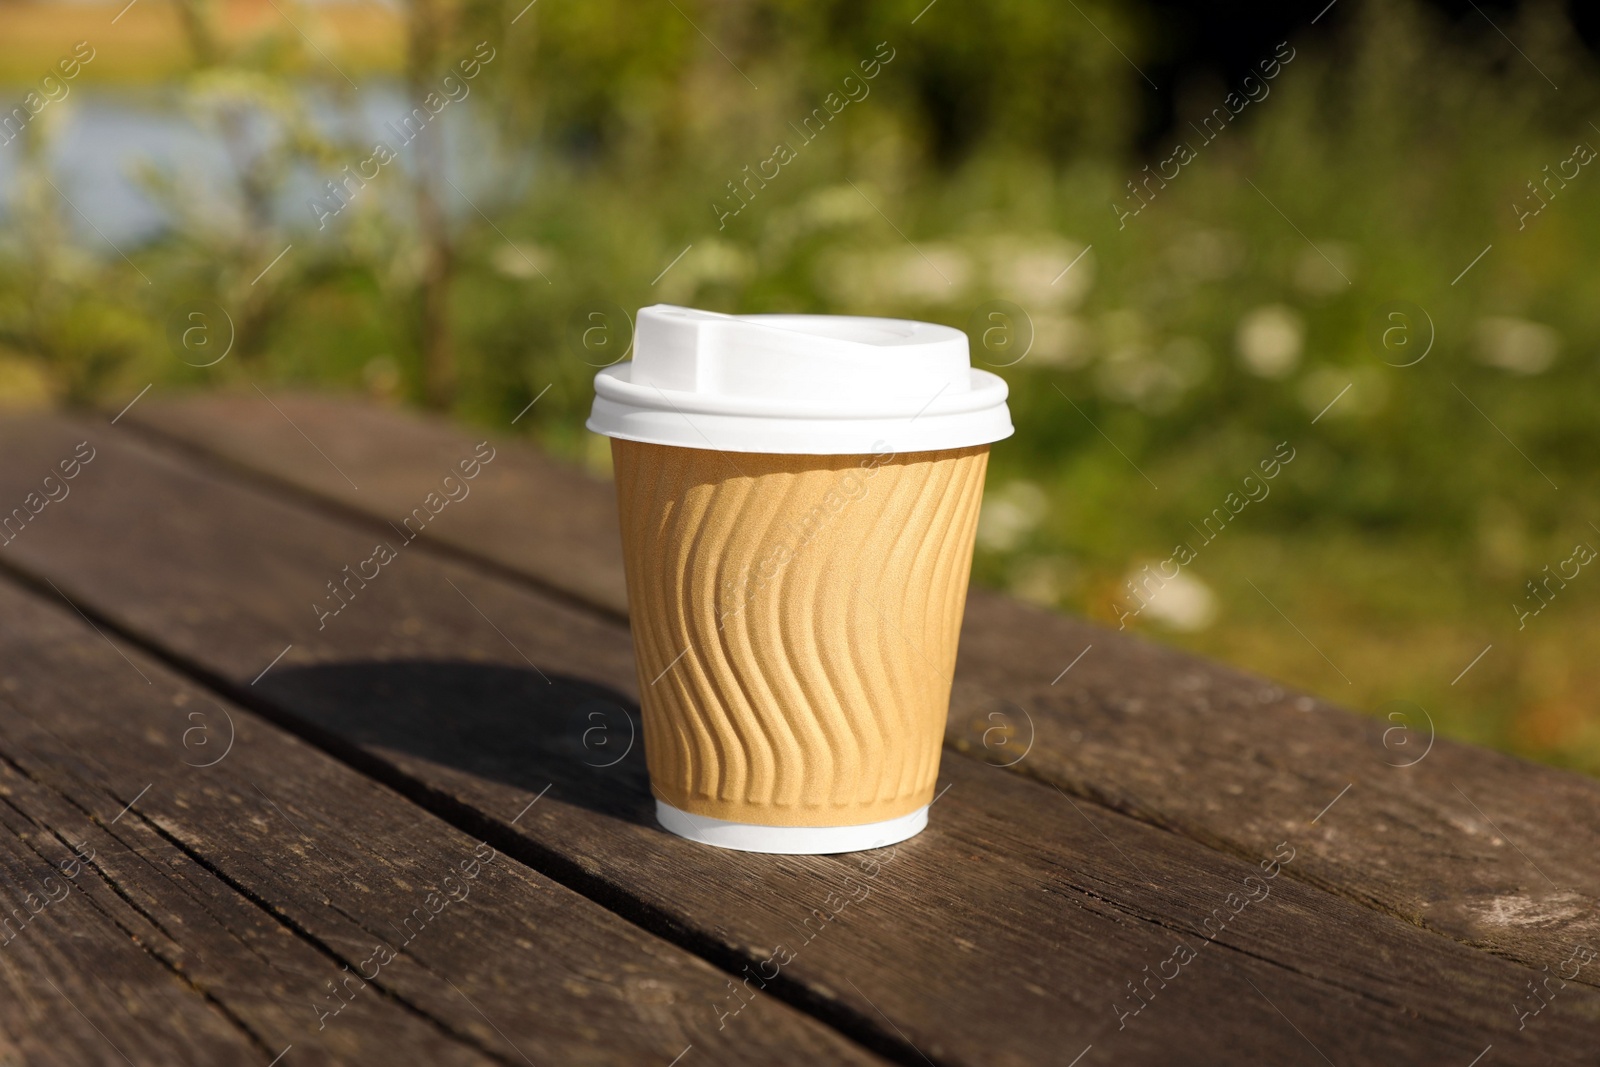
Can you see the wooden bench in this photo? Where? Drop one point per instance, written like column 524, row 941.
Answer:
column 420, row 831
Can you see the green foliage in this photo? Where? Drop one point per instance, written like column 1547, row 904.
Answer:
column 616, row 83
column 992, row 151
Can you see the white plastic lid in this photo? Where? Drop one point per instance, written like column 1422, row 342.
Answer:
column 810, row 384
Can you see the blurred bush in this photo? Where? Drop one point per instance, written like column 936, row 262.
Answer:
column 993, row 158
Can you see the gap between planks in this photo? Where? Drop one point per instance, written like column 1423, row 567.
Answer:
column 845, row 1020
column 230, row 470
column 837, row 1015
column 217, row 464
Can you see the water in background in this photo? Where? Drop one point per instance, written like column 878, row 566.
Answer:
column 102, row 139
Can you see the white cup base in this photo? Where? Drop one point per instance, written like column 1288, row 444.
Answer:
column 789, row 840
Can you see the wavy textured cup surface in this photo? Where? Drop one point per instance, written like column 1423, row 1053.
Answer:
column 795, row 621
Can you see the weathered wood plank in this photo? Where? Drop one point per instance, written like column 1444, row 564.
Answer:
column 256, row 886
column 564, row 536
column 81, row 981
column 1483, row 848
column 216, row 942
column 1007, row 933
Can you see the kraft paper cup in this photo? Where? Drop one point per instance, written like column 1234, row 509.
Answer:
column 795, row 588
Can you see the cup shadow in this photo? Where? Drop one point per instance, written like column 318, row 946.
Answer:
column 503, row 723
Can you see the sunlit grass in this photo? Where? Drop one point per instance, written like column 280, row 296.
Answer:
column 146, row 44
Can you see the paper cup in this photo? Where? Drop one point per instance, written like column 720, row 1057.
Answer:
column 795, row 613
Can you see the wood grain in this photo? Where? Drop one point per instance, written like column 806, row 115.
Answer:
column 1013, row 931
column 1483, row 848
column 546, row 522
column 226, row 906
column 82, row 977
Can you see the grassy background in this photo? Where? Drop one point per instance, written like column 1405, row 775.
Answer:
column 1184, row 345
